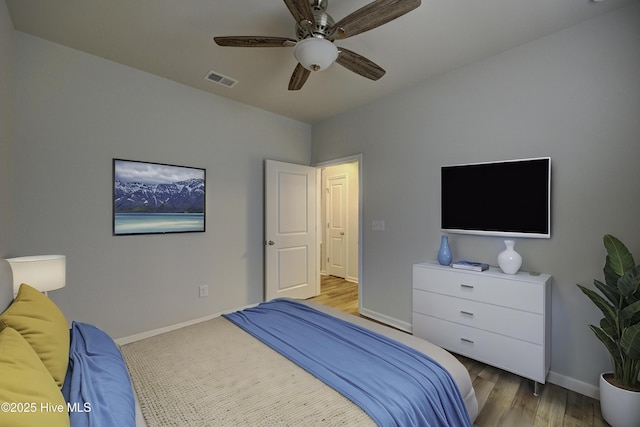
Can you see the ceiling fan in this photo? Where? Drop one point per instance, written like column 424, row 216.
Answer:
column 316, row 31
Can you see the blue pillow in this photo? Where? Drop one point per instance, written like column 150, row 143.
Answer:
column 97, row 385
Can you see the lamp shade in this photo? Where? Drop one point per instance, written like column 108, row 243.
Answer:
column 315, row 54
column 43, row 272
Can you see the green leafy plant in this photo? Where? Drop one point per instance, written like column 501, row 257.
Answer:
column 619, row 329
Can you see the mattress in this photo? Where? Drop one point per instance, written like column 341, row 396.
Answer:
column 216, row 365
column 447, row 360
column 184, row 377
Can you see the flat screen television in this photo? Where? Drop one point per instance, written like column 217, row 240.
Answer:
column 510, row 198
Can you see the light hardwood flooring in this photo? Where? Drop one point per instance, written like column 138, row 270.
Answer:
column 504, row 399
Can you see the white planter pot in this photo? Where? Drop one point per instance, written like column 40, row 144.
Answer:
column 619, row 407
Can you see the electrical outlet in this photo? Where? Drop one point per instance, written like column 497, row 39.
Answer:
column 377, row 225
column 204, row 291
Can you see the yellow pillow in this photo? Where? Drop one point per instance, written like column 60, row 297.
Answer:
column 43, row 326
column 28, row 395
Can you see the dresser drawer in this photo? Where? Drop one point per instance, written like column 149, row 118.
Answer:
column 520, row 357
column 522, row 325
column 492, row 289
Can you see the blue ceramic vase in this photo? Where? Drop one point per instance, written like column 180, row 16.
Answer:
column 444, row 254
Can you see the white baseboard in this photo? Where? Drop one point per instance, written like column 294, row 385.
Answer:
column 564, row 381
column 351, row 279
column 573, row 384
column 153, row 332
column 398, row 324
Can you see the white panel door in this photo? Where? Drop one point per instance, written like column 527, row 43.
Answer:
column 337, row 225
column 291, row 261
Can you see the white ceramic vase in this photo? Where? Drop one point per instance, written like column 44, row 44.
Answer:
column 619, row 407
column 509, row 260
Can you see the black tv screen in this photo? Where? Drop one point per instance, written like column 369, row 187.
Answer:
column 506, row 198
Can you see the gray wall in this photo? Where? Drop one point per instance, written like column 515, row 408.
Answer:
column 574, row 96
column 6, row 127
column 75, row 112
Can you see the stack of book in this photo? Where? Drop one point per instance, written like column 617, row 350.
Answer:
column 470, row 265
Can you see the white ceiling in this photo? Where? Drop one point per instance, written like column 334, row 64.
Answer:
column 174, row 39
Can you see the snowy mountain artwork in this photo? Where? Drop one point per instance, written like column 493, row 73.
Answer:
column 157, row 198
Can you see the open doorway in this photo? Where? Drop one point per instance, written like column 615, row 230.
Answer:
column 341, row 231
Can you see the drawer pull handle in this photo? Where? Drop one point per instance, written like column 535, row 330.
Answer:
column 462, row 285
column 466, row 340
column 468, row 313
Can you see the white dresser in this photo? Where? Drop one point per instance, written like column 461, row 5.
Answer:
column 499, row 319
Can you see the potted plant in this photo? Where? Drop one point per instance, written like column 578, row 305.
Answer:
column 619, row 331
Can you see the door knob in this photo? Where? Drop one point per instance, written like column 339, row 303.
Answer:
column 342, row 233
column 271, row 243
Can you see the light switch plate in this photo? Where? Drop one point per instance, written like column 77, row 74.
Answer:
column 203, row 291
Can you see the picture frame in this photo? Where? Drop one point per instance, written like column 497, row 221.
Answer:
column 157, row 198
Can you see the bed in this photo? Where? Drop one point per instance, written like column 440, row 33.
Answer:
column 215, row 372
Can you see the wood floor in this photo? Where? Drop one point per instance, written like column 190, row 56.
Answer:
column 504, row 399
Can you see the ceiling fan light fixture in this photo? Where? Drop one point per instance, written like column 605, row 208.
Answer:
column 315, row 53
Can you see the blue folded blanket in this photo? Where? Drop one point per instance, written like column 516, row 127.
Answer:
column 394, row 384
column 97, row 386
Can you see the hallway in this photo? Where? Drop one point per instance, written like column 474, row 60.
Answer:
column 338, row 293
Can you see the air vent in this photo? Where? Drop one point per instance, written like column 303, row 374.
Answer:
column 212, row 76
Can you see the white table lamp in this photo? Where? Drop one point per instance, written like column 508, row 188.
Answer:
column 43, row 272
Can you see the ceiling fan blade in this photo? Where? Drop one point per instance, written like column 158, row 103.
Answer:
column 299, row 77
column 371, row 16
column 301, row 10
column 359, row 64
column 254, row 41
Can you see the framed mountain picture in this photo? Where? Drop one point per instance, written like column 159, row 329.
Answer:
column 156, row 198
